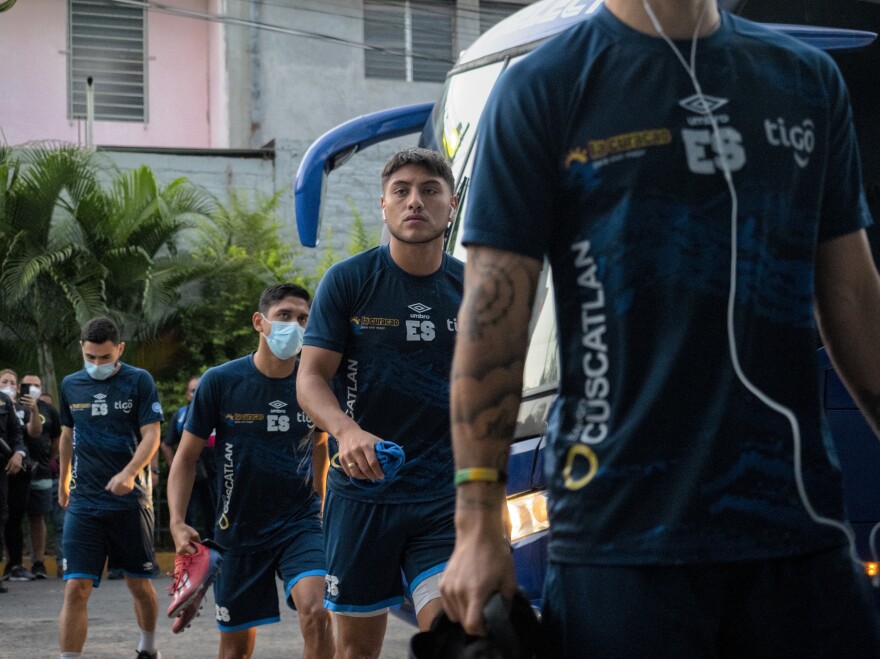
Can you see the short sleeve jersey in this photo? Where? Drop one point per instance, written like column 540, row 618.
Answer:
column 263, row 453
column 595, row 152
column 396, row 334
column 106, row 417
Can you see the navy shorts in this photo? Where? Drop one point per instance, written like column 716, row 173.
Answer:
column 369, row 544
column 245, row 593
column 803, row 606
column 125, row 537
column 40, row 500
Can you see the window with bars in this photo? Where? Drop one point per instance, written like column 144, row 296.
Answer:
column 414, row 38
column 107, row 42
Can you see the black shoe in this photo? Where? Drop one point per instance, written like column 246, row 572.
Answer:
column 3, row 588
column 18, row 573
column 143, row 654
column 39, row 570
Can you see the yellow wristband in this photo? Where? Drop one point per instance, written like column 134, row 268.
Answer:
column 480, row 474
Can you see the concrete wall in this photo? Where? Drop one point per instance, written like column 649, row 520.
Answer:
column 268, row 171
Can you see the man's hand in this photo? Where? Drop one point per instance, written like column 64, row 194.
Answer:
column 121, row 484
column 480, row 566
column 13, row 466
column 183, row 537
column 29, row 403
column 357, row 455
column 63, row 495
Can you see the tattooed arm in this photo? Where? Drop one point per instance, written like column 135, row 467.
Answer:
column 848, row 314
column 486, row 387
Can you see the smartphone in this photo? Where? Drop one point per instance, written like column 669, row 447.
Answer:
column 24, row 389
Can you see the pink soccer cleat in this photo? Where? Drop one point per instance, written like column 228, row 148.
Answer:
column 184, row 619
column 193, row 574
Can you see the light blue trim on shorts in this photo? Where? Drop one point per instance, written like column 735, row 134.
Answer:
column 248, row 625
column 361, row 608
column 430, row 572
column 96, row 580
column 310, row 573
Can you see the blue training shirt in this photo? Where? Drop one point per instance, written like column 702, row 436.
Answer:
column 396, row 334
column 263, row 453
column 106, row 417
column 595, row 152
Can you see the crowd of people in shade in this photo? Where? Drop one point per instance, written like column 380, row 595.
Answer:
column 29, row 428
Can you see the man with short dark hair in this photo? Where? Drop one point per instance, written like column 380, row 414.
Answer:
column 381, row 336
column 110, row 416
column 270, row 464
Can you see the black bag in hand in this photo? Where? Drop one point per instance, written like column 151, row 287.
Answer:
column 513, row 632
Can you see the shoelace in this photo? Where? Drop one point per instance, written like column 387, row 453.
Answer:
column 180, row 568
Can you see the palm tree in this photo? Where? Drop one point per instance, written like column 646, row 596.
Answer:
column 135, row 232
column 72, row 248
column 48, row 283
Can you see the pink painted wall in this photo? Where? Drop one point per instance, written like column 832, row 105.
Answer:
column 33, row 80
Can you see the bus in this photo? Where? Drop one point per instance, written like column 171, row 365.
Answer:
column 450, row 126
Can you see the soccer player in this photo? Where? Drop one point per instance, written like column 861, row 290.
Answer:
column 269, row 512
column 382, row 333
column 110, row 416
column 694, row 181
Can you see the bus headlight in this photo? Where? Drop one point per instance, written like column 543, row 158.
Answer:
column 528, row 515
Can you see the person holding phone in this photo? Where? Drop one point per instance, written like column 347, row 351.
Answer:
column 19, row 483
column 41, row 449
column 11, row 454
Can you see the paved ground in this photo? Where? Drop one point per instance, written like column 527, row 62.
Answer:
column 29, row 626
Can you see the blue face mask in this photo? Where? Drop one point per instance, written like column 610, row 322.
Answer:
column 285, row 339
column 101, row 372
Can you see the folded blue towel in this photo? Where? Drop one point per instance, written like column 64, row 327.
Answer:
column 391, row 458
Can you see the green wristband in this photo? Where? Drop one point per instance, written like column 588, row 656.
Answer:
column 480, row 475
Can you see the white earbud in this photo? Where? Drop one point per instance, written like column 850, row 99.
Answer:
column 731, row 298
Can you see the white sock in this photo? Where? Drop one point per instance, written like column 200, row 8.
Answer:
column 71, row 655
column 147, row 642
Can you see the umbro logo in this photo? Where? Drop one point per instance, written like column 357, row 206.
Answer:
column 100, row 396
column 702, row 105
column 277, row 404
column 418, row 307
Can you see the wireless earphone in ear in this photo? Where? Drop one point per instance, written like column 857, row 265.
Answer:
column 383, row 214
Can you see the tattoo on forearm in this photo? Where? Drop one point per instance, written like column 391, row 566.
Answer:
column 493, row 299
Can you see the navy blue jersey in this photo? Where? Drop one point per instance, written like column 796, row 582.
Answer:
column 106, row 417
column 596, row 153
column 396, row 333
column 263, row 453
